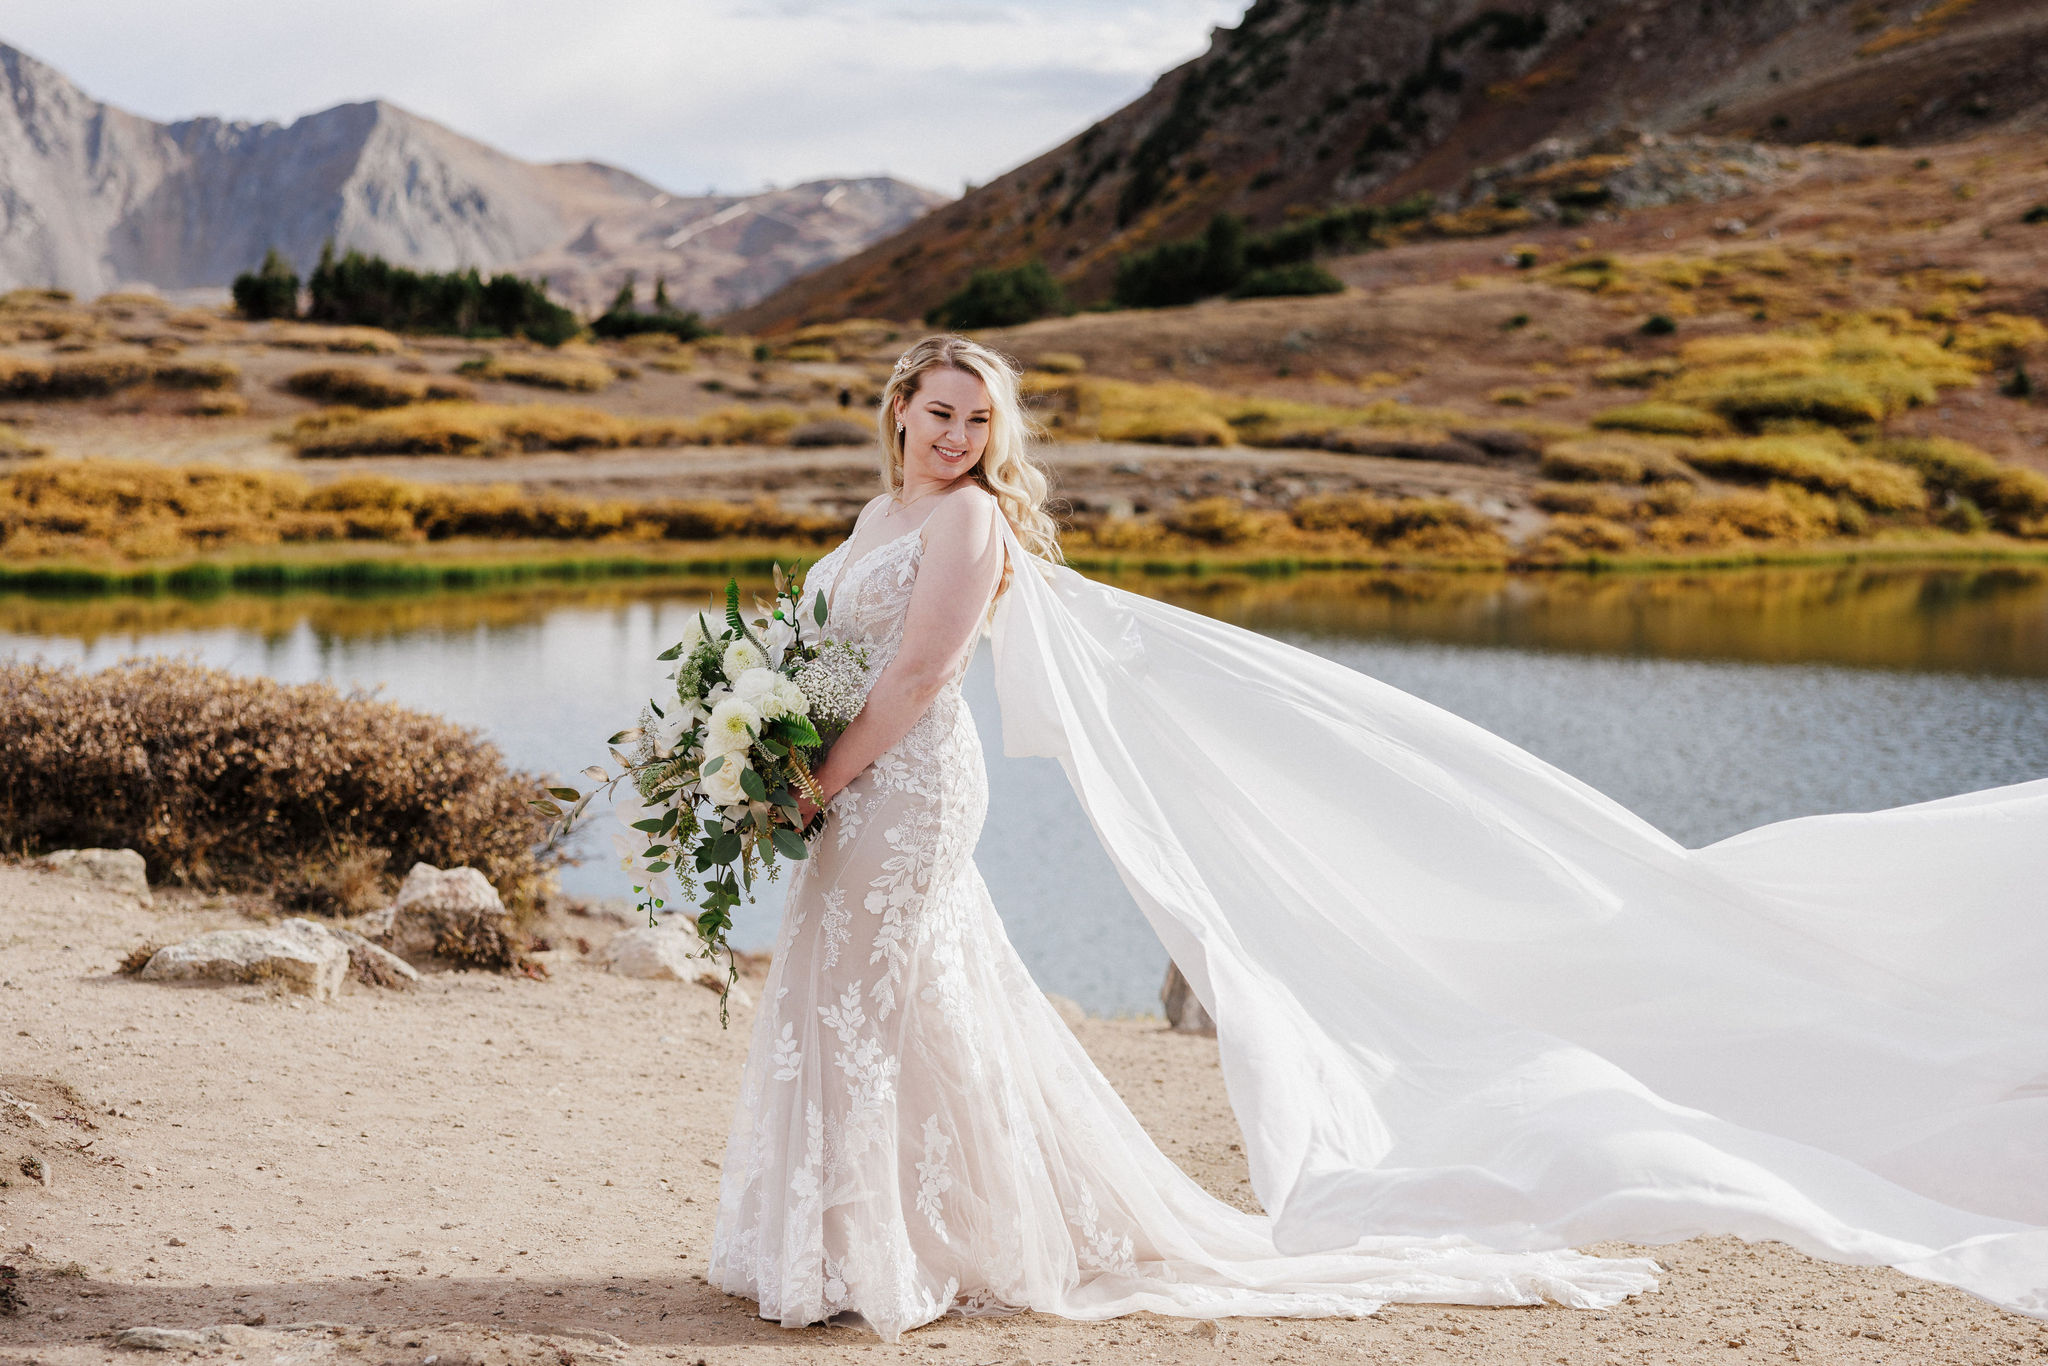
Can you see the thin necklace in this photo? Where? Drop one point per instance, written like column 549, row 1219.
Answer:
column 897, row 498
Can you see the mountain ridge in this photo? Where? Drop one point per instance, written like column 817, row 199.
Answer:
column 93, row 198
column 1308, row 103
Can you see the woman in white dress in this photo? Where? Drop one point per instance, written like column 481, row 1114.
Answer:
column 1350, row 879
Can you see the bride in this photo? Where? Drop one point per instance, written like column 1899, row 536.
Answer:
column 1471, row 1013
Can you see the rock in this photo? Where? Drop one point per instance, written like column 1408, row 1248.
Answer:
column 161, row 1339
column 657, row 952
column 297, row 954
column 113, row 870
column 740, row 998
column 372, row 965
column 1069, row 1009
column 1184, row 1010
column 434, row 907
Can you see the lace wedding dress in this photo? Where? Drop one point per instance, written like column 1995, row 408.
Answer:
column 918, row 1131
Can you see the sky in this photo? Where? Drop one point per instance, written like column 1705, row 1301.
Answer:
column 690, row 94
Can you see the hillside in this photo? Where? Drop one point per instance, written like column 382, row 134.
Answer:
column 93, row 198
column 1306, row 103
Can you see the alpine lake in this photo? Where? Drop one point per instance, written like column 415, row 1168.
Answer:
column 1708, row 702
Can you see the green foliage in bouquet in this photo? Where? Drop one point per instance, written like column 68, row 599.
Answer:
column 711, row 786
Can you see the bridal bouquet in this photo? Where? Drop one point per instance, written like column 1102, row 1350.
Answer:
column 711, row 781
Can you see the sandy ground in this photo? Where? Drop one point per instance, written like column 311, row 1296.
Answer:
column 487, row 1171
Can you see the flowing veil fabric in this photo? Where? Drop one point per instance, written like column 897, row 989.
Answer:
column 1458, row 992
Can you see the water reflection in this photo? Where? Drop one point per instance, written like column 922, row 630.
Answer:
column 1990, row 619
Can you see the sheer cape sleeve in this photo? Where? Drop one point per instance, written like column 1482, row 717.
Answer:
column 1459, row 992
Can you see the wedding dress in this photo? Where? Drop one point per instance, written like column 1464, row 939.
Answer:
column 917, row 1128
column 1471, row 1012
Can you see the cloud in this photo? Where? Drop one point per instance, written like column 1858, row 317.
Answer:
column 688, row 93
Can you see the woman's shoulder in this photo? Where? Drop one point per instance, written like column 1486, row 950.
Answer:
column 969, row 502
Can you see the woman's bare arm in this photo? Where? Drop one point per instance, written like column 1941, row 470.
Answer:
column 962, row 561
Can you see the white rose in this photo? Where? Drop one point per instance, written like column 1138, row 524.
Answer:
column 694, row 634
column 732, row 727
column 723, row 786
column 742, row 655
column 755, row 686
column 788, row 698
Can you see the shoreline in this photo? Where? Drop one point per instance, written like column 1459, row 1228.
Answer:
column 467, row 565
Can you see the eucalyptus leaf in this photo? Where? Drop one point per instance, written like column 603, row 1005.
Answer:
column 653, row 825
column 567, row 794
column 818, row 609
column 790, row 843
column 712, row 765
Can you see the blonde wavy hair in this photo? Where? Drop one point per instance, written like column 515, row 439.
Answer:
column 1007, row 468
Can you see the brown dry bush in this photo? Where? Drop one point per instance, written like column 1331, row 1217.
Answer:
column 219, row 780
column 368, row 386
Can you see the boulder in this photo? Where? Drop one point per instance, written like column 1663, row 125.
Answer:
column 112, row 870
column 437, row 907
column 152, row 1339
column 1184, row 1010
column 296, row 954
column 372, row 965
column 669, row 953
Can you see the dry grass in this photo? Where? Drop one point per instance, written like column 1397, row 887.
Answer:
column 137, row 511
column 367, row 341
column 244, row 782
column 2012, row 498
column 576, row 374
column 480, row 429
column 369, row 386
column 1613, row 460
column 1661, row 418
column 1823, row 463
column 1078, row 407
column 95, row 375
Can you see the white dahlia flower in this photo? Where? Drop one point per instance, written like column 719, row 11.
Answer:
column 742, row 655
column 733, row 725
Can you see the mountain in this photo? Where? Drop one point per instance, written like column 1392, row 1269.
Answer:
column 93, row 197
column 1308, row 103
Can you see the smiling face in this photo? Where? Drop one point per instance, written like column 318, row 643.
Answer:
column 945, row 428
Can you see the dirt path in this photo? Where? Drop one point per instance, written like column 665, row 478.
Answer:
column 488, row 1171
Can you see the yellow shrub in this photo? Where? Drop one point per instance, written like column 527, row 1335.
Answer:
column 575, row 373
column 372, row 341
column 1581, row 499
column 363, row 386
column 482, row 429
column 1671, row 419
column 1815, row 463
column 1059, row 363
column 1999, row 337
column 1571, row 535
